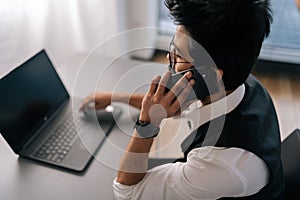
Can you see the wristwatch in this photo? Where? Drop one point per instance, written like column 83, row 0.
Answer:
column 146, row 129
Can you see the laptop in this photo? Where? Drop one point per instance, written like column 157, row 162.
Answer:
column 40, row 121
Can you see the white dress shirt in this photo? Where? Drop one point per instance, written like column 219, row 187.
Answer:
column 209, row 173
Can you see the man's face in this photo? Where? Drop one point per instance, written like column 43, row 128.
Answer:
column 179, row 51
column 179, row 56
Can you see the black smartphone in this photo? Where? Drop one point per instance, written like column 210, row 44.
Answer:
column 204, row 77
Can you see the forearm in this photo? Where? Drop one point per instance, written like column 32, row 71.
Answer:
column 134, row 100
column 156, row 105
column 133, row 165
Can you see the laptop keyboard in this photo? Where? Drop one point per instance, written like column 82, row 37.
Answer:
column 58, row 144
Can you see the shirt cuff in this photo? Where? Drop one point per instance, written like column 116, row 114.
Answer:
column 122, row 192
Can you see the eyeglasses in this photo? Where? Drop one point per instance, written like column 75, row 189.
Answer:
column 174, row 53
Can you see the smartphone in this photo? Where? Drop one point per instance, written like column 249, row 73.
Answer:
column 204, row 77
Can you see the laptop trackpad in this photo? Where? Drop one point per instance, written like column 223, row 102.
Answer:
column 77, row 157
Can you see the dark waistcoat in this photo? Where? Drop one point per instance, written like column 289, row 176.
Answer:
column 252, row 126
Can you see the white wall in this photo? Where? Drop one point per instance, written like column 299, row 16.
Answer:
column 65, row 28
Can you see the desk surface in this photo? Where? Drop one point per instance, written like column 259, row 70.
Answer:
column 25, row 179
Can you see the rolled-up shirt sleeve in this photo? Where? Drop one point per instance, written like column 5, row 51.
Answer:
column 209, row 173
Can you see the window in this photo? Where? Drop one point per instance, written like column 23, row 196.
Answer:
column 282, row 45
column 165, row 21
column 166, row 25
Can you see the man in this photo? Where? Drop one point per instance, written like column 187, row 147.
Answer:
column 244, row 162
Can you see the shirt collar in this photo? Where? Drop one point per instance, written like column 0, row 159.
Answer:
column 203, row 114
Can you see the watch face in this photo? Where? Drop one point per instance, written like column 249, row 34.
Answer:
column 146, row 130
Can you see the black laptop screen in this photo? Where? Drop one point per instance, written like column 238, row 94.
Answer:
column 29, row 95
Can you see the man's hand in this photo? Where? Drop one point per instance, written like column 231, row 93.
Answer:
column 99, row 100
column 159, row 104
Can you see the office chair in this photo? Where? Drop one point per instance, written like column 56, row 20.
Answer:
column 290, row 149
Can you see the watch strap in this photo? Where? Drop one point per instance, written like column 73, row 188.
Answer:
column 146, row 129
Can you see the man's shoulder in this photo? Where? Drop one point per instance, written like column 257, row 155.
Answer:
column 255, row 91
column 252, row 81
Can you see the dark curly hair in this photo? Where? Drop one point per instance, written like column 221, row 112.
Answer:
column 231, row 31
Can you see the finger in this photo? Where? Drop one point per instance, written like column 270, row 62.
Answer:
column 162, row 84
column 84, row 103
column 179, row 104
column 153, row 85
column 179, row 86
column 181, row 98
column 88, row 106
column 87, row 102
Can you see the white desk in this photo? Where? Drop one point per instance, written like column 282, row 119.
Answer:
column 27, row 180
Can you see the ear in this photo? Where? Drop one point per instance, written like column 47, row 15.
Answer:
column 219, row 73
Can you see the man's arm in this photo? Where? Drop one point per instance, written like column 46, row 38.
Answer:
column 103, row 99
column 203, row 176
column 156, row 105
column 134, row 162
column 134, row 100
